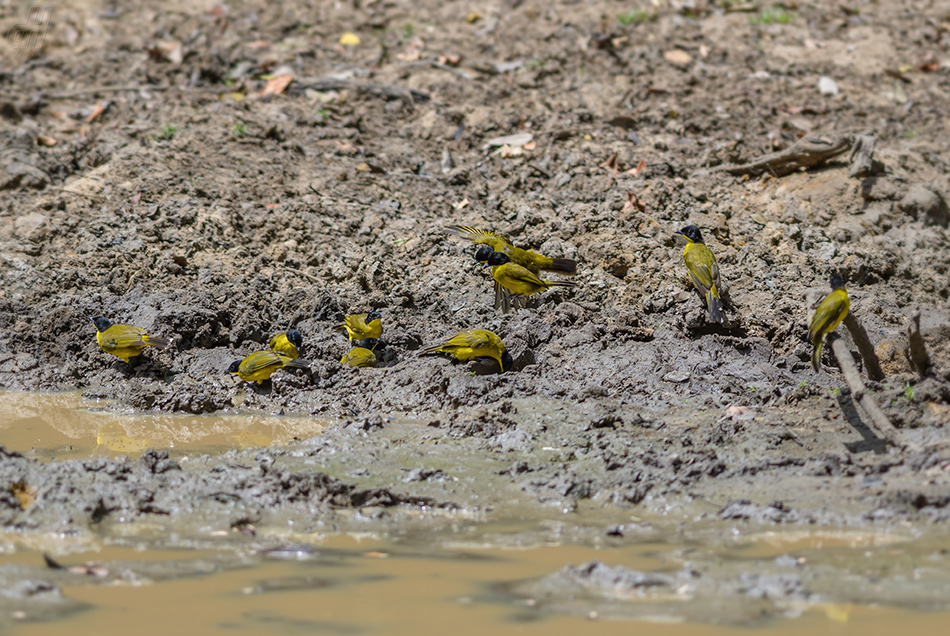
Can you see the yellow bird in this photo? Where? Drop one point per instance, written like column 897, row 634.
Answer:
column 477, row 343
column 125, row 341
column 530, row 260
column 259, row 366
column 829, row 314
column 361, row 326
column 518, row 280
column 703, row 271
column 288, row 343
column 359, row 357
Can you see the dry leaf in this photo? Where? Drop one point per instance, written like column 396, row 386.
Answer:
column 368, row 167
column 97, row 110
column 450, row 60
column 635, row 171
column 167, row 52
column 740, row 413
column 236, row 96
column 376, row 555
column 461, row 204
column 507, row 151
column 276, row 85
column 349, row 39
column 510, row 140
column 25, row 494
column 43, row 140
column 678, row 56
column 530, row 145
column 632, row 204
column 611, row 164
column 271, row 206
column 473, row 17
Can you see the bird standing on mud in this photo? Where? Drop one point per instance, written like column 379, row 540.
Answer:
column 531, row 261
column 361, row 355
column 125, row 341
column 518, row 280
column 476, row 343
column 830, row 312
column 288, row 343
column 703, row 270
column 362, row 326
column 259, row 366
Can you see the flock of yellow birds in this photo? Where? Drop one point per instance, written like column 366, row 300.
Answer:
column 516, row 274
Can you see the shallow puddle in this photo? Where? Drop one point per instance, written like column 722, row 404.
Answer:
column 517, row 570
column 46, row 425
column 352, row 586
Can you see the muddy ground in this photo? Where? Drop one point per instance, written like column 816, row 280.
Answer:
column 145, row 178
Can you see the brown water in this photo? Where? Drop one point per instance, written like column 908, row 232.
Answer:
column 46, row 425
column 430, row 583
column 356, row 586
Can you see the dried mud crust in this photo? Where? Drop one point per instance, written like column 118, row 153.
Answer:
column 219, row 222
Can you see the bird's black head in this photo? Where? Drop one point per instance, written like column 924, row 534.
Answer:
column 692, row 233
column 234, row 366
column 295, row 338
column 101, row 323
column 483, row 253
column 373, row 315
column 506, row 361
column 498, row 258
column 836, row 281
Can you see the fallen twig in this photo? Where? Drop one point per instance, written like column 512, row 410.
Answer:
column 439, row 65
column 859, row 393
column 408, row 95
column 916, row 350
column 807, row 152
column 862, row 156
column 103, row 89
column 860, row 337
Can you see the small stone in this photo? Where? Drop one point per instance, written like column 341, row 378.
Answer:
column 827, row 86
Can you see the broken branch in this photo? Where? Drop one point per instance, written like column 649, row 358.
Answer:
column 860, row 337
column 916, row 350
column 859, row 393
column 807, row 152
column 407, row 95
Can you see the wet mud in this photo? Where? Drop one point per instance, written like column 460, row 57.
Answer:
column 146, row 176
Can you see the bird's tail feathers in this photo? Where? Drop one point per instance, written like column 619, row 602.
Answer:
column 715, row 306
column 816, row 357
column 563, row 265
column 561, row 283
column 156, row 341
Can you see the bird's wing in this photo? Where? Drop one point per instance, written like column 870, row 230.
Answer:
column 479, row 237
column 132, row 337
column 475, row 339
column 701, row 276
column 260, row 361
column 829, row 312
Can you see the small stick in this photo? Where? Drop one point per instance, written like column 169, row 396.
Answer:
column 859, row 393
column 916, row 350
column 407, row 95
column 103, row 89
column 860, row 336
column 862, row 156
